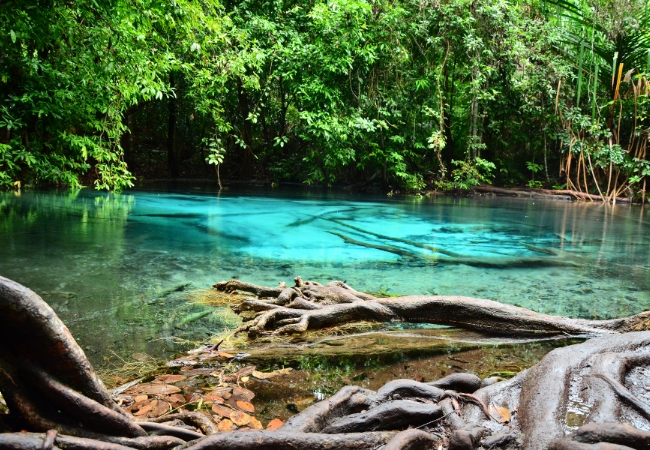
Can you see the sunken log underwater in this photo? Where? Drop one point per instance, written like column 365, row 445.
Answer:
column 56, row 400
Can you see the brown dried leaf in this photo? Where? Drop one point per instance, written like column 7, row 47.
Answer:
column 221, row 410
column 154, row 389
column 263, row 375
column 225, row 425
column 267, row 375
column 244, row 372
column 255, row 424
column 243, row 392
column 145, row 409
column 171, row 378
column 240, row 418
column 221, row 391
column 232, row 401
column 304, row 401
column 159, row 408
column 193, row 397
column 246, row 406
column 500, row 413
column 213, row 399
column 140, row 398
column 176, row 400
column 274, row 424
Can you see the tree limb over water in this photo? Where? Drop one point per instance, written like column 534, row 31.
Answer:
column 56, row 401
column 310, row 305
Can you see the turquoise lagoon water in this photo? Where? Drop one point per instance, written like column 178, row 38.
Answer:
column 107, row 263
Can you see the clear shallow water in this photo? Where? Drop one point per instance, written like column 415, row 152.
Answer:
column 105, row 261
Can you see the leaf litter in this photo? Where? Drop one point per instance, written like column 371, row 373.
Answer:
column 206, row 381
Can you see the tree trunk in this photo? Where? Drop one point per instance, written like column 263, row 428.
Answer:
column 171, row 131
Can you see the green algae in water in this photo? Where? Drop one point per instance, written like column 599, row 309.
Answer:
column 106, row 263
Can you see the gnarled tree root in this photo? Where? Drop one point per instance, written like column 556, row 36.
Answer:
column 50, row 392
column 310, row 305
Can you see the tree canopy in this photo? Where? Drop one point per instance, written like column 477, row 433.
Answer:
column 408, row 94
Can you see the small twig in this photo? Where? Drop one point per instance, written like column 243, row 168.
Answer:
column 474, row 399
column 215, row 347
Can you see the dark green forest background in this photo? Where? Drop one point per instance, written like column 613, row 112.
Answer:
column 400, row 95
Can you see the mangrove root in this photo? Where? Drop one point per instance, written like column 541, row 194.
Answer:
column 57, row 402
column 310, row 305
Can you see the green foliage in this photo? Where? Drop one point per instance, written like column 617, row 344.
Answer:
column 408, row 94
column 469, row 173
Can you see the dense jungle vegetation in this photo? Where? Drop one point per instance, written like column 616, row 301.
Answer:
column 401, row 94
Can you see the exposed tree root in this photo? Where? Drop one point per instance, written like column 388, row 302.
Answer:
column 547, row 194
column 310, row 305
column 73, row 410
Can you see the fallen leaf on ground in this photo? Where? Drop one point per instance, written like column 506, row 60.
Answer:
column 171, row 378
column 266, row 375
column 144, row 410
column 255, row 424
column 176, row 400
column 213, row 398
column 274, row 424
column 221, row 410
column 154, row 389
column 240, row 418
column 303, row 401
column 225, row 425
column 500, row 413
column 244, row 392
column 244, row 371
column 221, row 391
column 159, row 408
column 193, row 397
column 263, row 375
column 140, row 398
column 246, row 406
